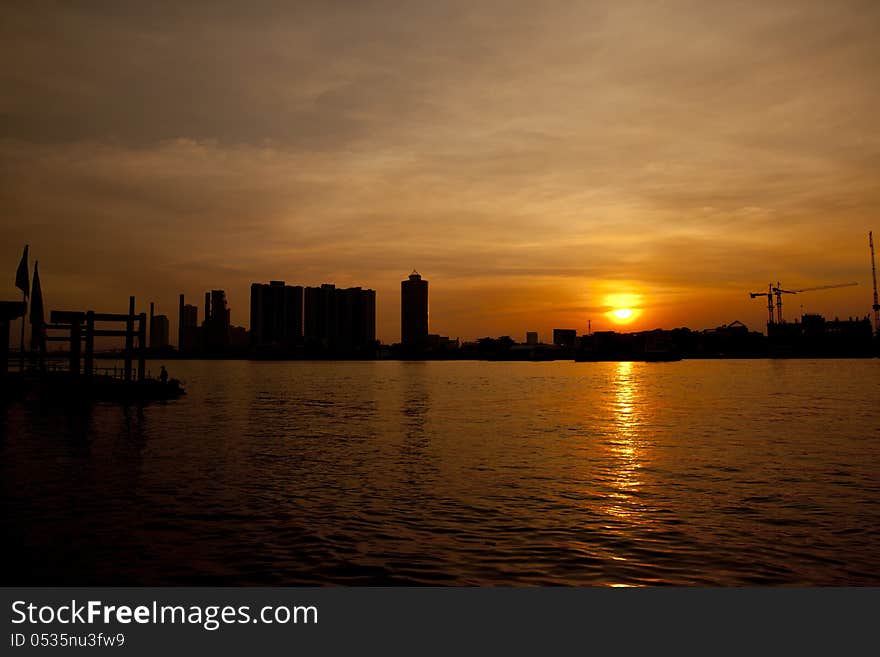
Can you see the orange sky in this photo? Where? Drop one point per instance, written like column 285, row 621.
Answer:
column 529, row 159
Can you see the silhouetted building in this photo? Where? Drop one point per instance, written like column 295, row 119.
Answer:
column 531, row 338
column 565, row 337
column 215, row 327
column 732, row 340
column 414, row 311
column 158, row 329
column 340, row 320
column 442, row 344
column 355, row 319
column 187, row 326
column 239, row 338
column 488, row 348
column 656, row 345
column 276, row 315
column 159, row 332
column 320, row 316
column 813, row 335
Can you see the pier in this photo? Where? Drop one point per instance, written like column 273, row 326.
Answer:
column 81, row 334
column 81, row 380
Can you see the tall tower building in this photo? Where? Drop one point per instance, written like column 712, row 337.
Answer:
column 414, row 311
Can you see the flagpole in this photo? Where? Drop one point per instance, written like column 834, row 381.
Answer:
column 22, row 282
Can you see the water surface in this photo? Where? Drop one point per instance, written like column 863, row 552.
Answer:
column 698, row 472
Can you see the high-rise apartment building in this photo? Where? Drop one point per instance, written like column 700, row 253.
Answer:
column 320, row 326
column 276, row 315
column 339, row 320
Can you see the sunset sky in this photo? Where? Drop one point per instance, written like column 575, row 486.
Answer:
column 531, row 159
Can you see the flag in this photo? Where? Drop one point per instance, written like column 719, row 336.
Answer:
column 37, row 329
column 21, row 276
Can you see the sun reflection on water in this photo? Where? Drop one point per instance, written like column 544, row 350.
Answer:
column 625, row 442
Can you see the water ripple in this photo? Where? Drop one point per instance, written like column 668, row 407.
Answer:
column 614, row 474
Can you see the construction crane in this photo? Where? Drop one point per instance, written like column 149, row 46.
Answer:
column 769, row 295
column 777, row 291
column 876, row 305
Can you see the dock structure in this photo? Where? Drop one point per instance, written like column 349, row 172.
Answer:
column 9, row 312
column 81, row 334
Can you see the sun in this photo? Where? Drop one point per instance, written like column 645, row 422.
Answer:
column 623, row 308
column 623, row 314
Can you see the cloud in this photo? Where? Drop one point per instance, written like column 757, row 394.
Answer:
column 526, row 159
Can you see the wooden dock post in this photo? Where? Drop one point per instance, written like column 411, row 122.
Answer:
column 75, row 345
column 90, row 344
column 129, row 339
column 142, row 346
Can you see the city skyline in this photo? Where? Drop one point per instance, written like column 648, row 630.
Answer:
column 622, row 315
column 663, row 160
